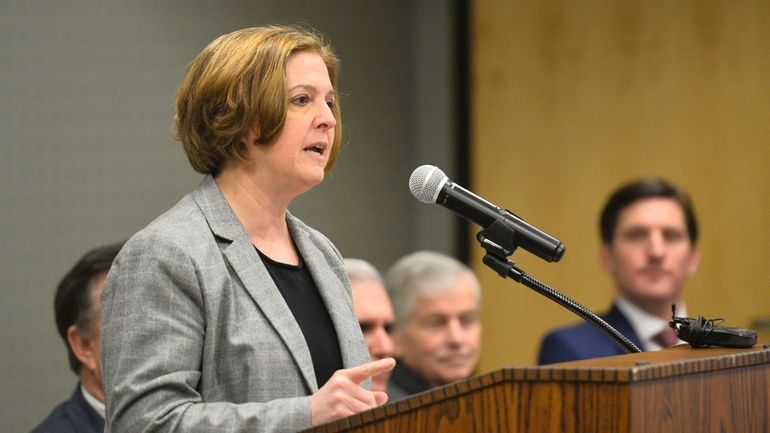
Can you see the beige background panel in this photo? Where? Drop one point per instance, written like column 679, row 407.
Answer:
column 572, row 98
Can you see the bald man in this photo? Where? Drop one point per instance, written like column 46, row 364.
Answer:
column 374, row 313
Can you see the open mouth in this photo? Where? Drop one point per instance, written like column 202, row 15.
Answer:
column 317, row 148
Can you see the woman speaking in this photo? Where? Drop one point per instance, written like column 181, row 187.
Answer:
column 227, row 313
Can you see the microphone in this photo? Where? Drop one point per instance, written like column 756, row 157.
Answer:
column 430, row 185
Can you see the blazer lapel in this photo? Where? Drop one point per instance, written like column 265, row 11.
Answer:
column 619, row 321
column 334, row 294
column 243, row 257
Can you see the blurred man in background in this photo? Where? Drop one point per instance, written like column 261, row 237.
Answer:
column 78, row 318
column 374, row 313
column 649, row 234
column 436, row 300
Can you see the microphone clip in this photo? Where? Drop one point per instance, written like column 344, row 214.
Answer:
column 497, row 255
column 496, row 239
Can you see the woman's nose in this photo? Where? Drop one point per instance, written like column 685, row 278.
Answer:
column 325, row 118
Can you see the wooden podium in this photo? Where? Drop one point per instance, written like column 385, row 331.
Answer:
column 681, row 390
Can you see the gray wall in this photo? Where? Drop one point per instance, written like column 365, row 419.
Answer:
column 86, row 102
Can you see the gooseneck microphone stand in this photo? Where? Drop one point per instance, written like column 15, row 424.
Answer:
column 497, row 259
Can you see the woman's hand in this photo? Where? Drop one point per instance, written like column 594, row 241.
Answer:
column 342, row 395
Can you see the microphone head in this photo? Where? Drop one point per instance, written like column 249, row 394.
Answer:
column 426, row 182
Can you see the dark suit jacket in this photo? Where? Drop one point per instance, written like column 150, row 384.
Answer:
column 196, row 336
column 404, row 382
column 73, row 416
column 586, row 340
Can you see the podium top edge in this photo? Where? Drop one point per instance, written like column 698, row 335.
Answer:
column 675, row 361
column 681, row 360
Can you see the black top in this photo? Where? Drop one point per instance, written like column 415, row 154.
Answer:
column 301, row 295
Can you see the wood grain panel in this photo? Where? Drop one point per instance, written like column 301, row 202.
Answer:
column 572, row 98
column 675, row 390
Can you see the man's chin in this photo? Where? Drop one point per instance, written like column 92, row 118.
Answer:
column 455, row 374
column 659, row 294
column 654, row 288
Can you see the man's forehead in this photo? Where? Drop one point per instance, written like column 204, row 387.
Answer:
column 369, row 297
column 656, row 211
column 457, row 301
column 367, row 288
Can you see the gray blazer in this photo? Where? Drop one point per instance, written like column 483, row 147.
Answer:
column 196, row 336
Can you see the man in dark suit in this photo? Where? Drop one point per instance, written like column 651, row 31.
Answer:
column 78, row 318
column 649, row 234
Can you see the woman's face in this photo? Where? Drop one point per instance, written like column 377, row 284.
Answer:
column 300, row 154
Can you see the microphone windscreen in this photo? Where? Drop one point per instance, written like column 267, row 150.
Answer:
column 426, row 182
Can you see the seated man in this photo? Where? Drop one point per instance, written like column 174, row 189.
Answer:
column 77, row 310
column 374, row 313
column 436, row 300
column 649, row 234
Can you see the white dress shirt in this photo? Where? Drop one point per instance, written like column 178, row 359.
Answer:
column 645, row 324
column 92, row 401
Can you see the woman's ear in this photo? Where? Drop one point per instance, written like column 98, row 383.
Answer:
column 251, row 136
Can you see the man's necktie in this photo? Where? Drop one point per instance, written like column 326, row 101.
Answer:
column 666, row 338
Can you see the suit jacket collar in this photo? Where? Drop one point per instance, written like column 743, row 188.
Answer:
column 220, row 217
column 619, row 321
column 245, row 260
column 82, row 414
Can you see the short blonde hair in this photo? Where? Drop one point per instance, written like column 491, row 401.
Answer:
column 239, row 81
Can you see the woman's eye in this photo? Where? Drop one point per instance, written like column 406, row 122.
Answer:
column 301, row 100
column 330, row 103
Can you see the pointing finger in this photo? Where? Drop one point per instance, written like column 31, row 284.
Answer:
column 362, row 372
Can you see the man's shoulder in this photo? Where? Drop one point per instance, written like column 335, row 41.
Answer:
column 405, row 382
column 569, row 343
column 71, row 416
column 56, row 421
column 583, row 340
column 577, row 331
